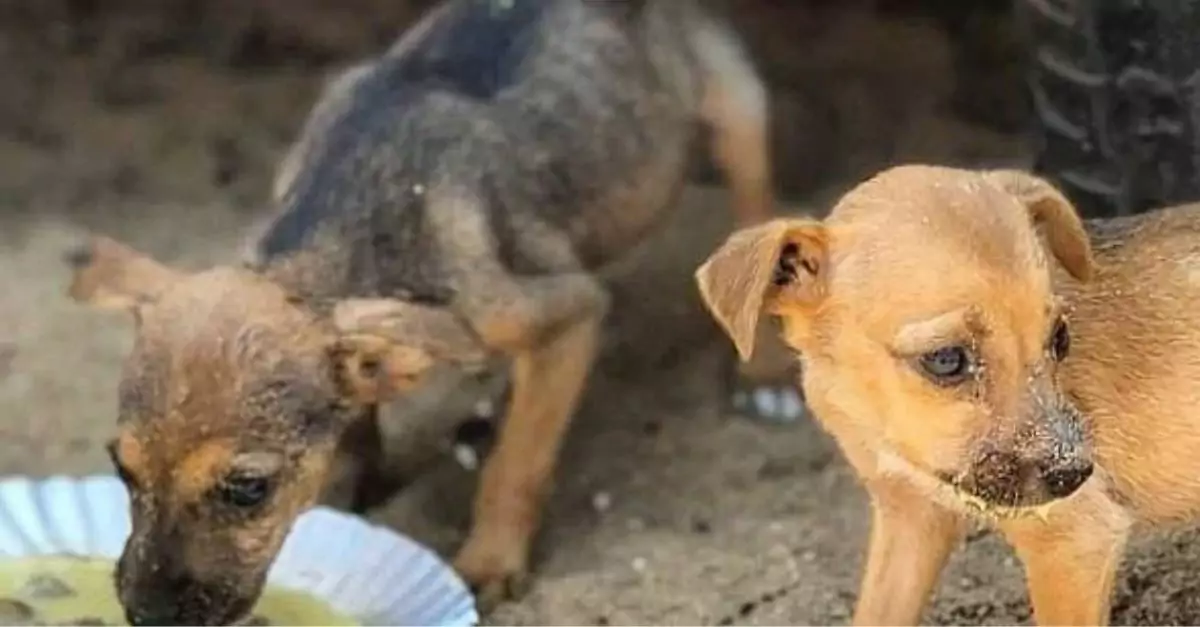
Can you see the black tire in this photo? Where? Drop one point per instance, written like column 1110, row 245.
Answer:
column 1116, row 99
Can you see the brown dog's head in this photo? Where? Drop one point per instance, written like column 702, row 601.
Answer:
column 925, row 313
column 232, row 402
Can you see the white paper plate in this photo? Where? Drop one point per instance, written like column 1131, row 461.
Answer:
column 361, row 570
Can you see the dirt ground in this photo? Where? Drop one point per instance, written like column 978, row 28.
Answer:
column 707, row 518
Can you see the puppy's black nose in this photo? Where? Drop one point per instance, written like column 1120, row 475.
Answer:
column 138, row 618
column 78, row 256
column 1062, row 482
column 153, row 614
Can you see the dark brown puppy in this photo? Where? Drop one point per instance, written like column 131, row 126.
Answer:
column 449, row 202
column 964, row 372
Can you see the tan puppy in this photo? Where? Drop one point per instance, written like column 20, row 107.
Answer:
column 966, row 365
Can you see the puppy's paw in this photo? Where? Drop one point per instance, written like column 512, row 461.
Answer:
column 765, row 388
column 496, row 572
column 778, row 403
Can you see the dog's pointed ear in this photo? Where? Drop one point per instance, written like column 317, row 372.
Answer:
column 775, row 266
column 111, row 275
column 1055, row 216
column 385, row 345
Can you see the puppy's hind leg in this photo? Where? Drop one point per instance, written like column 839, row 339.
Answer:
column 767, row 387
column 735, row 108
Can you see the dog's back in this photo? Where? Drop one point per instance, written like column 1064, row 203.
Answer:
column 1136, row 370
column 562, row 118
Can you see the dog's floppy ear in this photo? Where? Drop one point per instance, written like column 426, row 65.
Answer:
column 384, row 345
column 110, row 275
column 1055, row 215
column 774, row 266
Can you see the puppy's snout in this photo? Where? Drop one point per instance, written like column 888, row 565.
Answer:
column 997, row 477
column 183, row 603
column 1063, row 481
column 154, row 601
column 160, row 589
column 1049, row 460
column 147, row 616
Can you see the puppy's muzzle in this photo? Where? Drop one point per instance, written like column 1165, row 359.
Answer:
column 1049, row 460
column 183, row 602
column 164, row 592
column 1007, row 479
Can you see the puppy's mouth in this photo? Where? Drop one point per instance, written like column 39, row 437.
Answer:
column 1006, row 484
column 1007, row 506
column 998, row 511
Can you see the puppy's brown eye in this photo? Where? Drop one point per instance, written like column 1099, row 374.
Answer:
column 1060, row 341
column 949, row 365
column 245, row 491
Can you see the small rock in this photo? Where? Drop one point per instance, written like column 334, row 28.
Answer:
column 639, row 564
column 227, row 161
column 14, row 612
column 635, row 525
column 485, row 408
column 8, row 354
column 779, row 551
column 601, row 502
column 45, row 587
column 466, row 456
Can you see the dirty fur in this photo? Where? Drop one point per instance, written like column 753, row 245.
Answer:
column 1071, row 423
column 447, row 204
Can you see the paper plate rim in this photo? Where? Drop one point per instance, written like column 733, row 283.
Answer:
column 365, row 570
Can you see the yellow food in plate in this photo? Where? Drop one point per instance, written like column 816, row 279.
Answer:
column 64, row 590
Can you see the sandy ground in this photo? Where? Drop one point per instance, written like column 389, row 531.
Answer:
column 712, row 519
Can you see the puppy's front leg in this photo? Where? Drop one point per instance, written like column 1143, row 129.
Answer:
column 549, row 324
column 547, row 382
column 1071, row 559
column 911, row 539
column 735, row 108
